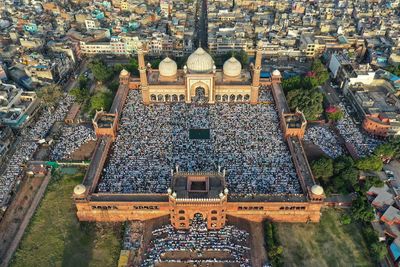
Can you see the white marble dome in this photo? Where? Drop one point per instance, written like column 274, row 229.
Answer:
column 200, row 62
column 317, row 190
column 232, row 67
column 79, row 189
column 276, row 73
column 167, row 67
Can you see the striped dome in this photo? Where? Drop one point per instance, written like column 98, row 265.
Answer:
column 232, row 67
column 200, row 62
column 167, row 67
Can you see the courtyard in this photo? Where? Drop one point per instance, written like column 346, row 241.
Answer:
column 244, row 140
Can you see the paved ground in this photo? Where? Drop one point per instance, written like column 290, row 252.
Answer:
column 394, row 166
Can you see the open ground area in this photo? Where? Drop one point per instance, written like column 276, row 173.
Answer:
column 325, row 244
column 67, row 242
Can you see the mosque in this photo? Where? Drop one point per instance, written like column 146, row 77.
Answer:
column 201, row 80
column 202, row 193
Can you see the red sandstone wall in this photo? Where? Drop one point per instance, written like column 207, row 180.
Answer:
column 257, row 212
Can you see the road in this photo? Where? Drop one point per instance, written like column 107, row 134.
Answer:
column 72, row 82
column 331, row 94
column 201, row 23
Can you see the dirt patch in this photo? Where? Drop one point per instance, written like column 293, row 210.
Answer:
column 313, row 152
column 84, row 152
column 12, row 219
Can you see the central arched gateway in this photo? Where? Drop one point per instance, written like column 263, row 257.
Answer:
column 199, row 92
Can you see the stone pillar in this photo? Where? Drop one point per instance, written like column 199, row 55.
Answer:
column 142, row 67
column 254, row 95
column 256, row 75
column 257, row 65
column 145, row 95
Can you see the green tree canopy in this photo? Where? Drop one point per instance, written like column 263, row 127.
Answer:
column 50, row 94
column 307, row 101
column 386, row 150
column 81, row 94
column 335, row 116
column 322, row 168
column 361, row 210
column 341, row 163
column 321, row 74
column 101, row 100
column 371, row 163
column 100, row 71
column 132, row 66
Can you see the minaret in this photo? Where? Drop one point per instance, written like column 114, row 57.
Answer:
column 143, row 75
column 256, row 74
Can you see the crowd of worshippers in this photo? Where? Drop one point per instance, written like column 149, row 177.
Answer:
column 71, row 138
column 26, row 148
column 245, row 141
column 363, row 143
column 228, row 241
column 325, row 139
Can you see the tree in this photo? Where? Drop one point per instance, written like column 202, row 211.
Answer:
column 101, row 100
column 83, row 81
column 155, row 63
column 345, row 219
column 386, row 150
column 336, row 115
column 361, row 210
column 371, row 163
column 275, row 252
column 100, row 70
column 341, row 163
column 378, row 251
column 132, row 66
column 321, row 74
column 50, row 94
column 307, row 101
column 81, row 94
column 242, row 56
column 322, row 168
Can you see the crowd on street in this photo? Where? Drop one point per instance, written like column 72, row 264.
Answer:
column 26, row 147
column 325, row 139
column 245, row 141
column 363, row 143
column 71, row 138
column 229, row 241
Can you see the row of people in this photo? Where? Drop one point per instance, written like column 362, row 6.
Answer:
column 70, row 139
column 229, row 241
column 27, row 145
column 245, row 140
column 326, row 139
column 363, row 143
